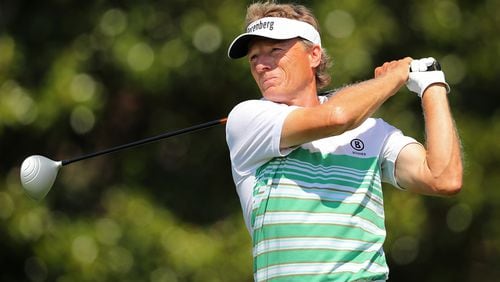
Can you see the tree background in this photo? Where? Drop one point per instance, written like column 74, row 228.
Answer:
column 79, row 76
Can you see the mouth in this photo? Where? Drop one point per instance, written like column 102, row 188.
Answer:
column 268, row 82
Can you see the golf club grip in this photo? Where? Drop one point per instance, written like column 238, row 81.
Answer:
column 148, row 140
column 434, row 67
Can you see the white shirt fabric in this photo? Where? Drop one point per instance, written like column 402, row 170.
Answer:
column 253, row 134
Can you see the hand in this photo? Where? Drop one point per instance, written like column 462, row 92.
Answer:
column 420, row 78
column 398, row 69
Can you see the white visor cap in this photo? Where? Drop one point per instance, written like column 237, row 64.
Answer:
column 274, row 28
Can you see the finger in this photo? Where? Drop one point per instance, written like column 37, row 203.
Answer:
column 407, row 60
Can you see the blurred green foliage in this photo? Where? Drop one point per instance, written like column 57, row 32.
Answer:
column 76, row 77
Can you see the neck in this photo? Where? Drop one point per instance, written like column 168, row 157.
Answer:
column 304, row 101
column 306, row 98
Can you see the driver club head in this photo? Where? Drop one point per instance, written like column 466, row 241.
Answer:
column 38, row 173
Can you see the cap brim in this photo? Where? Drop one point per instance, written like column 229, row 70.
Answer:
column 273, row 28
column 239, row 47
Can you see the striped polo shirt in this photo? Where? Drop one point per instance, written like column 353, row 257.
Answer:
column 315, row 212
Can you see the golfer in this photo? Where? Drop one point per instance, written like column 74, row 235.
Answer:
column 309, row 169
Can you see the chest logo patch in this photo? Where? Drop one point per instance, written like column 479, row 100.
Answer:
column 357, row 144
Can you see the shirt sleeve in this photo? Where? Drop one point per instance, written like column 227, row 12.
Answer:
column 393, row 145
column 253, row 133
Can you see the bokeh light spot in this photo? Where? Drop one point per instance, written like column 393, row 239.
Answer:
column 454, row 68
column 108, row 231
column 120, row 260
column 82, row 87
column 113, row 22
column 82, row 119
column 340, row 24
column 207, row 38
column 459, row 217
column 31, row 225
column 174, row 54
column 140, row 57
column 140, row 212
column 405, row 250
column 84, row 249
column 448, row 14
column 17, row 103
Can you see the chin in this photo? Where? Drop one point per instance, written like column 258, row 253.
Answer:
column 274, row 94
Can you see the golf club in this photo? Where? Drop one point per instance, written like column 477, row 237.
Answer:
column 38, row 173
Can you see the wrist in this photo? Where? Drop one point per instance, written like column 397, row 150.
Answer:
column 435, row 89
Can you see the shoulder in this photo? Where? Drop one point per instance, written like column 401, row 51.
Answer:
column 252, row 111
column 255, row 105
column 243, row 112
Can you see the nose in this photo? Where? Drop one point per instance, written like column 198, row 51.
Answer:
column 263, row 63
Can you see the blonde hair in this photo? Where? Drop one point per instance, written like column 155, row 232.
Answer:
column 260, row 10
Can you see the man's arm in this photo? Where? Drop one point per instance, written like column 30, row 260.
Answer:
column 347, row 109
column 437, row 168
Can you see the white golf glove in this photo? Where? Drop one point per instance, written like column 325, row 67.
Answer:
column 420, row 78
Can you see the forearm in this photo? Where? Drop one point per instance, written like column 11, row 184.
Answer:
column 444, row 157
column 354, row 104
column 346, row 110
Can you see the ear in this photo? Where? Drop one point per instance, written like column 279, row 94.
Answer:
column 315, row 56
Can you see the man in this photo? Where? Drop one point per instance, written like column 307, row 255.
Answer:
column 308, row 168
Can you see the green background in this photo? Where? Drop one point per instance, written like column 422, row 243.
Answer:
column 79, row 76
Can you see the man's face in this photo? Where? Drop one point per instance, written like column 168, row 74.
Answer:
column 281, row 68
